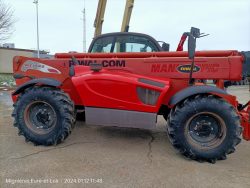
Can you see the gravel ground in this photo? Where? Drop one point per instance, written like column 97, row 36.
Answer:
column 111, row 157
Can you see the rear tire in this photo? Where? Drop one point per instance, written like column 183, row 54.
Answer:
column 43, row 115
column 204, row 128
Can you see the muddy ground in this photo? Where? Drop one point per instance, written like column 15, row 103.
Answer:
column 111, row 157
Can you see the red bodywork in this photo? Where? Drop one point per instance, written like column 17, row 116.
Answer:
column 115, row 86
column 245, row 116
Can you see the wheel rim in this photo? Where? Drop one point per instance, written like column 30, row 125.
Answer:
column 205, row 130
column 40, row 117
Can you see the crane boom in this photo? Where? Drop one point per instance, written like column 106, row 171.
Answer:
column 127, row 15
column 99, row 19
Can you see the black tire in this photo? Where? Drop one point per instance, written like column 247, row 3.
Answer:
column 43, row 115
column 204, row 128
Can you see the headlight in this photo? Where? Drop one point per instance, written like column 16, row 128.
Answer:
column 148, row 96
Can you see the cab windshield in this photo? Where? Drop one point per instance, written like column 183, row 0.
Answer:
column 116, row 44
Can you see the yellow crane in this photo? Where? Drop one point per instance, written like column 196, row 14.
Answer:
column 99, row 19
column 127, row 15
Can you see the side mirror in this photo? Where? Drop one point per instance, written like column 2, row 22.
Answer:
column 192, row 36
column 165, row 46
column 194, row 33
column 191, row 46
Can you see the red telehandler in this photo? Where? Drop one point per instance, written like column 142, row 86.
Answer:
column 129, row 89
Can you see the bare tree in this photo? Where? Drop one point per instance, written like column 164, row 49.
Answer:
column 6, row 21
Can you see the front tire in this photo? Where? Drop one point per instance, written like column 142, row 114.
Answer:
column 43, row 115
column 204, row 128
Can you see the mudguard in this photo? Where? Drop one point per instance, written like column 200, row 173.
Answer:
column 194, row 90
column 41, row 81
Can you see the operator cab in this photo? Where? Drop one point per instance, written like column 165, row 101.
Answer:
column 126, row 42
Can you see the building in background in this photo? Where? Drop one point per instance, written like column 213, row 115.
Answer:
column 8, row 51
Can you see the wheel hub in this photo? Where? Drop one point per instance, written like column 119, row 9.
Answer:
column 40, row 117
column 205, row 129
column 43, row 116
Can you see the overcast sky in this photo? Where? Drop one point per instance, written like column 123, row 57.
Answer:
column 61, row 27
